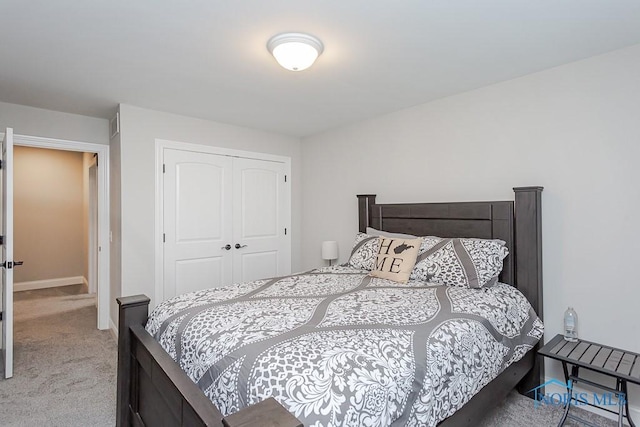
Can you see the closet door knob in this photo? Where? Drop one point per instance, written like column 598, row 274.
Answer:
column 227, row 247
column 238, row 246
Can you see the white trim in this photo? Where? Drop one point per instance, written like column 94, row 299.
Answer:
column 85, row 282
column 92, row 256
column 198, row 148
column 103, row 208
column 114, row 126
column 113, row 329
column 48, row 283
column 159, row 222
column 161, row 145
column 635, row 412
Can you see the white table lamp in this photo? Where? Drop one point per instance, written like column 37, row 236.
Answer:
column 330, row 250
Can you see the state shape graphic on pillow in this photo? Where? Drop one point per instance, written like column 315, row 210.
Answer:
column 396, row 258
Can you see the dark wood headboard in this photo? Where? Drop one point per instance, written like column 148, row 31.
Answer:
column 484, row 220
column 516, row 222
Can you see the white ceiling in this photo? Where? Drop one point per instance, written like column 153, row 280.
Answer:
column 207, row 58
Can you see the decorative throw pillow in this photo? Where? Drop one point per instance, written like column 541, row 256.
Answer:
column 471, row 263
column 365, row 248
column 396, row 258
column 364, row 252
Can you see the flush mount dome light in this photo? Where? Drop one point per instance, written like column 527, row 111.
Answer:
column 295, row 51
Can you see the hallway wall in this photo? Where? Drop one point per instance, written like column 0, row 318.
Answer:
column 49, row 219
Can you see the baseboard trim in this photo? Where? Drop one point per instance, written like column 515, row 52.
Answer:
column 113, row 329
column 49, row 283
column 635, row 412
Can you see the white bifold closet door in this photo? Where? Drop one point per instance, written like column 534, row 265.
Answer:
column 225, row 220
column 198, row 210
column 260, row 246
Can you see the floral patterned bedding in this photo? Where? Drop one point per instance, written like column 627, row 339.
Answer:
column 339, row 348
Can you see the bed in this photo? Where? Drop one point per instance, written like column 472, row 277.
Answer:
column 268, row 357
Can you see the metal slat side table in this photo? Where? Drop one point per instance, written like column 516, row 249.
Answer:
column 622, row 365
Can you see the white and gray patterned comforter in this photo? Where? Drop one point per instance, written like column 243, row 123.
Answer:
column 339, row 348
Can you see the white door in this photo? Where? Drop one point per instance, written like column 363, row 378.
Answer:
column 260, row 220
column 197, row 221
column 7, row 252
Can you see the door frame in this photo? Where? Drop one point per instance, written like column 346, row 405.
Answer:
column 6, row 228
column 102, row 278
column 161, row 145
column 92, row 256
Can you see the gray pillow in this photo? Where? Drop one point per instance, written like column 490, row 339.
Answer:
column 364, row 252
column 471, row 263
column 466, row 262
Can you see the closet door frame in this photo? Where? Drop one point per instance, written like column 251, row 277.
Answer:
column 161, row 145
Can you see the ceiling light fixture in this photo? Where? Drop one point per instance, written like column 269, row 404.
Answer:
column 295, row 51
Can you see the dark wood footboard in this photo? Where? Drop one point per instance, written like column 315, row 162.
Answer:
column 154, row 391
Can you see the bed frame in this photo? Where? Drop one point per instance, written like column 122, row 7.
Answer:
column 152, row 390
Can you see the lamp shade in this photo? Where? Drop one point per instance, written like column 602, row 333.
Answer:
column 295, row 51
column 330, row 250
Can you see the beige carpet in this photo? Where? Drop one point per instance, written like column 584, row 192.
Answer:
column 64, row 368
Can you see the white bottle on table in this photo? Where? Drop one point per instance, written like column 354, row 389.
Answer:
column 570, row 325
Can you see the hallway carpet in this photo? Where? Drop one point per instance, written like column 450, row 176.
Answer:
column 64, row 368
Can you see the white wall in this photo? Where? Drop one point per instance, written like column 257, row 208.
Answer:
column 139, row 130
column 53, row 124
column 574, row 129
